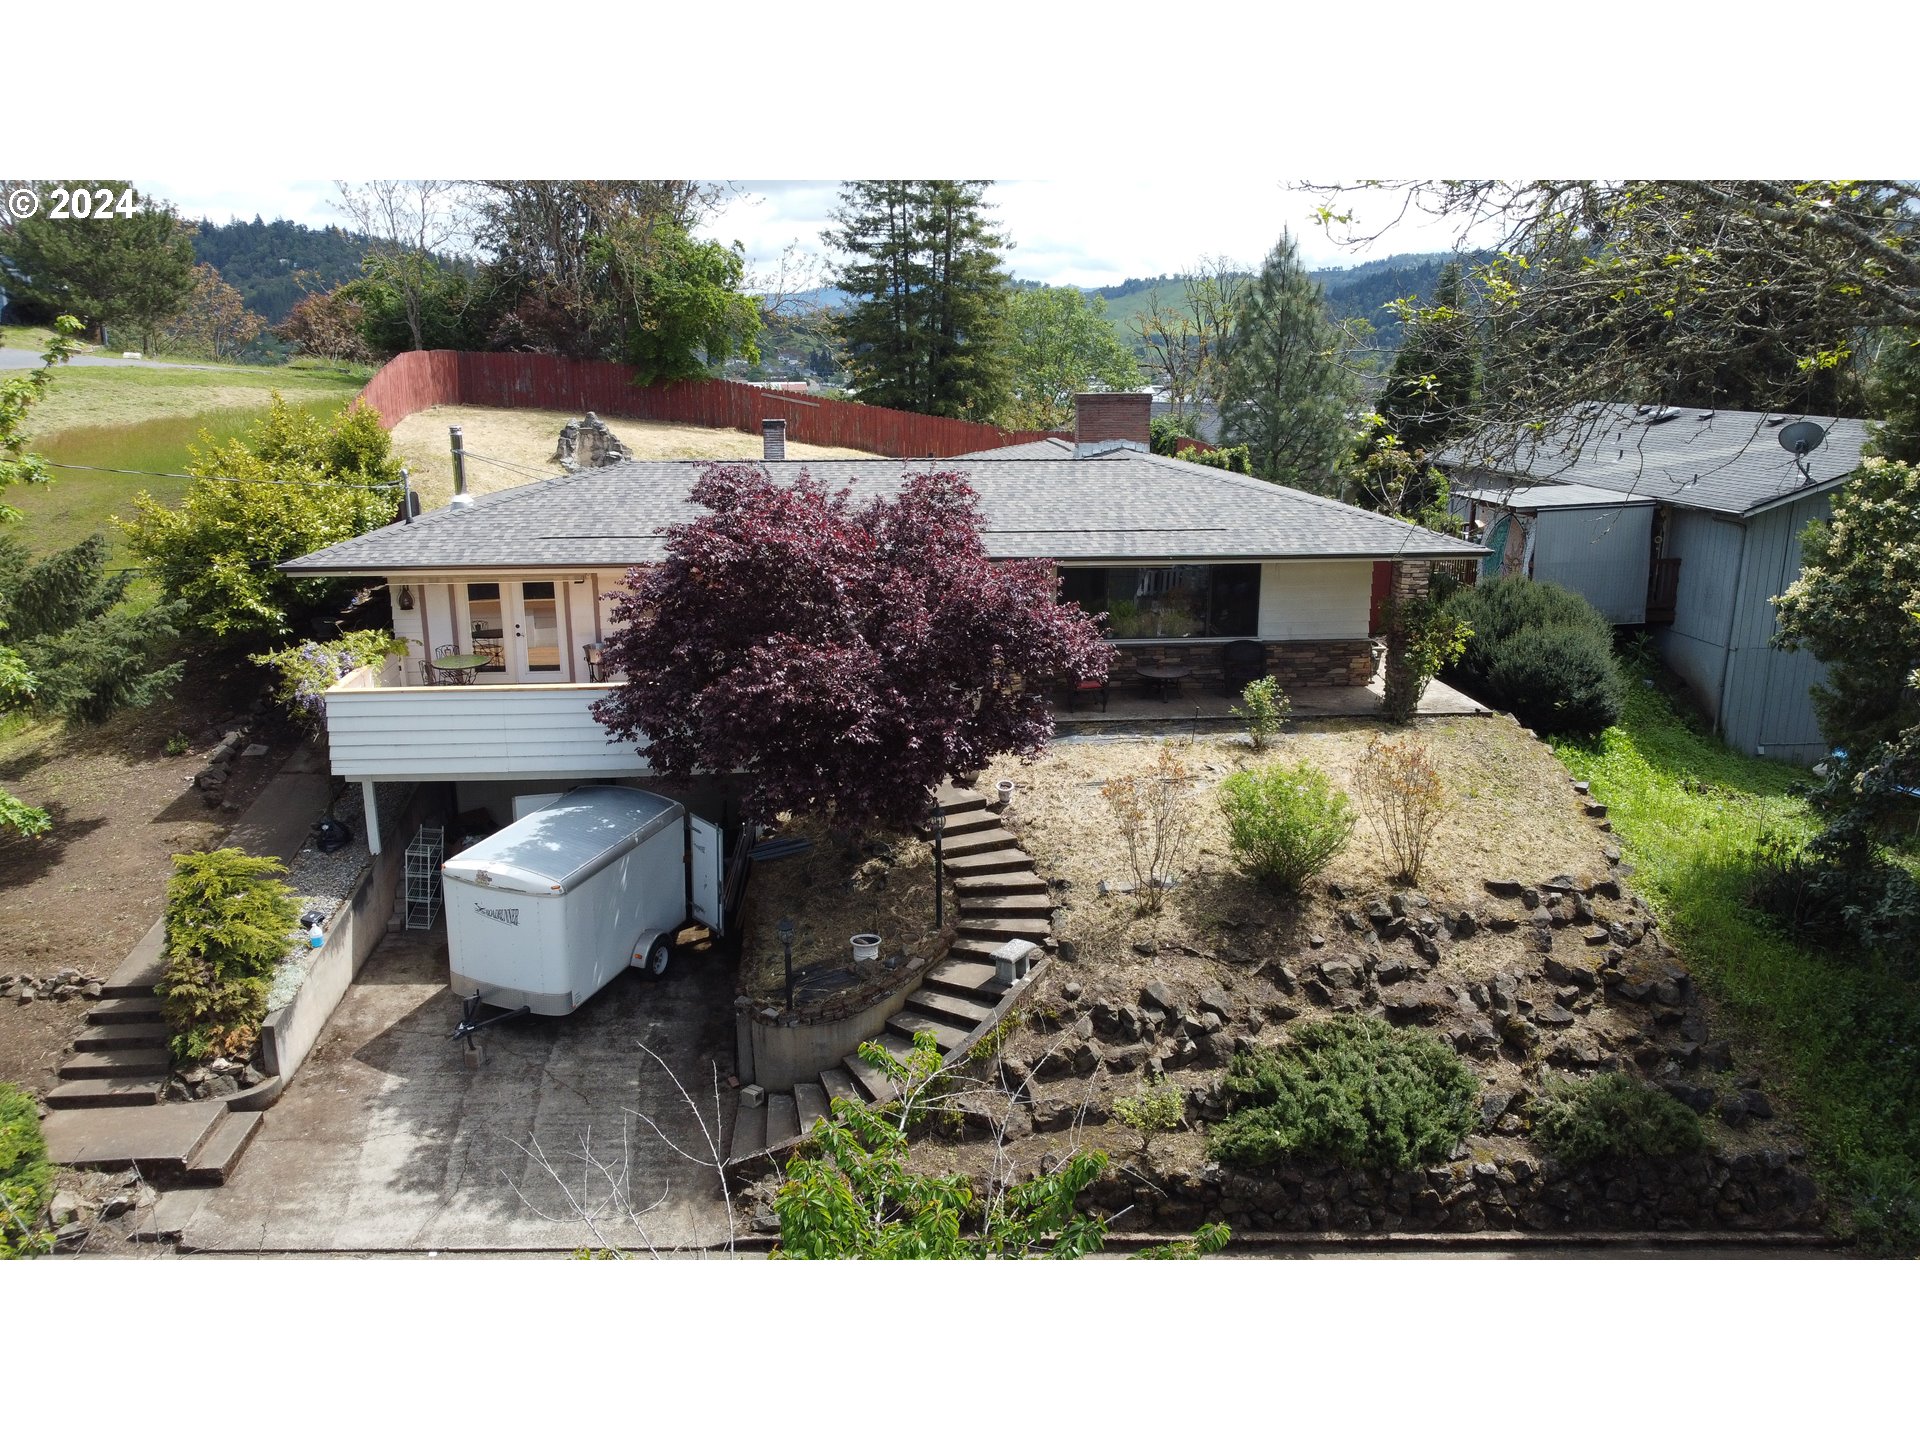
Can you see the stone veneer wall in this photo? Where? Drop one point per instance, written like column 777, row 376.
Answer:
column 1291, row 662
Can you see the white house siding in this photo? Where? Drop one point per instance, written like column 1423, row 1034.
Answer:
column 472, row 732
column 1315, row 599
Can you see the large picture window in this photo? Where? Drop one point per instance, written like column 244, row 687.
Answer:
column 1168, row 602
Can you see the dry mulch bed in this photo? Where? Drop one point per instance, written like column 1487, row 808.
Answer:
column 79, row 897
column 1225, row 944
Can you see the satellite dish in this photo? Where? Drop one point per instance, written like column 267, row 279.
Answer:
column 1802, row 436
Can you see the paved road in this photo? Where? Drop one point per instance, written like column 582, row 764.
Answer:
column 11, row 359
column 389, row 1141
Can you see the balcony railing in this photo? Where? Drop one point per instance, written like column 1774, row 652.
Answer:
column 381, row 729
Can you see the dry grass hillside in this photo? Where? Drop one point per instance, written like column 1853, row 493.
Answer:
column 517, row 446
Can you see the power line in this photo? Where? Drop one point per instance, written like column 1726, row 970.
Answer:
column 230, row 479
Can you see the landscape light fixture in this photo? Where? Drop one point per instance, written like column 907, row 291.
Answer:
column 937, row 822
column 1802, row 437
column 785, row 929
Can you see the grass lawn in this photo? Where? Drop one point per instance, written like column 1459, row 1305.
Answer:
column 1687, row 810
column 126, row 394
column 80, row 502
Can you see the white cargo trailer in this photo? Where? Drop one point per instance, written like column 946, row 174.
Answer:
column 547, row 911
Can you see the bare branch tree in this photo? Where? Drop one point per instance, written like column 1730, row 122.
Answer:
column 408, row 223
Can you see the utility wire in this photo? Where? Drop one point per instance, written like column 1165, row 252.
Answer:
column 230, row 479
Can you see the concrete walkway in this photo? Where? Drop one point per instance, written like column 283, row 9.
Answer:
column 389, row 1140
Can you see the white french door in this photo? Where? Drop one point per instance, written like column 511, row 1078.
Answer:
column 518, row 625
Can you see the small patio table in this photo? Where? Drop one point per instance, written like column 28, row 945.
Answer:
column 461, row 668
column 1162, row 679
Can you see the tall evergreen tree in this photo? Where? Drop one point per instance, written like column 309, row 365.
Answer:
column 928, row 329
column 132, row 269
column 1432, row 382
column 1287, row 387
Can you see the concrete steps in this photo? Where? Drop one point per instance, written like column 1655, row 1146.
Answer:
column 1001, row 898
column 749, row 1134
column 99, row 1093
column 995, row 907
column 979, row 842
column 1001, row 931
column 839, row 1086
column 961, row 1010
column 970, row 887
column 909, row 1023
column 811, row 1103
column 783, row 1119
column 120, row 1037
column 114, row 1064
column 1006, row 860
column 226, row 1142
column 126, row 1010
column 874, row 1087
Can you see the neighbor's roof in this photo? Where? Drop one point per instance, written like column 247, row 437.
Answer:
column 1549, row 497
column 1122, row 506
column 1728, row 461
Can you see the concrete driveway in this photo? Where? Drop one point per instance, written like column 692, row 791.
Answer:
column 388, row 1140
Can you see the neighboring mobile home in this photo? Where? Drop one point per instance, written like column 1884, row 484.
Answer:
column 1185, row 558
column 1687, row 522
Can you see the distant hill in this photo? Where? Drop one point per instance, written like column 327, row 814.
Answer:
column 261, row 259
column 1353, row 292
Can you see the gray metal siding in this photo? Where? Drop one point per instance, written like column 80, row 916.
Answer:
column 1602, row 554
column 1768, row 707
column 1695, row 645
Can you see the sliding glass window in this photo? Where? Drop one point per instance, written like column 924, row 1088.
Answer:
column 1168, row 602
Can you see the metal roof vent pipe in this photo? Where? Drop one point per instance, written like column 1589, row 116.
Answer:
column 773, row 439
column 461, row 499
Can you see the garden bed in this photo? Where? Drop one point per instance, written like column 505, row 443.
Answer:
column 880, row 885
column 1523, row 950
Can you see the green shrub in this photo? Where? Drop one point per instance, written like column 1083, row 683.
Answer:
column 26, row 1177
column 1264, row 706
column 1285, row 822
column 308, row 670
column 1615, row 1115
column 1151, row 1109
column 229, row 923
column 1542, row 652
column 1352, row 1090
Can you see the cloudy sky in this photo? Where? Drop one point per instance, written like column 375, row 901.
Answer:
column 1066, row 232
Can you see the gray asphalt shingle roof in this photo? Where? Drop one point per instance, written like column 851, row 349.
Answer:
column 1727, row 461
column 1125, row 506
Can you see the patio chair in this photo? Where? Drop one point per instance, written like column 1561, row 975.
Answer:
column 1241, row 661
column 596, row 664
column 1079, row 690
column 437, row 676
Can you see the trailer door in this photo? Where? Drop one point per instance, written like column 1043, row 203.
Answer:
column 704, row 872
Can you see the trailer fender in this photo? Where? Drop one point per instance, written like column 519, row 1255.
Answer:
column 654, row 953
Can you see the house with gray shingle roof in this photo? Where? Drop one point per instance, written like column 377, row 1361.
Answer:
column 1685, row 521
column 510, row 590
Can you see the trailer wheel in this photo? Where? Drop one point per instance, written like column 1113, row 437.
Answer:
column 658, row 958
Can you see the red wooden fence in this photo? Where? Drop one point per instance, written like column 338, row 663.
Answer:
column 422, row 378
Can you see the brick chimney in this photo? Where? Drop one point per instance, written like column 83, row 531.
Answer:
column 1121, row 421
column 773, row 439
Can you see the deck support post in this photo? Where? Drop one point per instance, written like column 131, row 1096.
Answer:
column 371, row 811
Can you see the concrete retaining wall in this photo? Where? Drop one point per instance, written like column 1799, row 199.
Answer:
column 289, row 1033
column 785, row 1055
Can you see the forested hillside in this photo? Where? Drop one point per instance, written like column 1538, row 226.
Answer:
column 1356, row 292
column 272, row 264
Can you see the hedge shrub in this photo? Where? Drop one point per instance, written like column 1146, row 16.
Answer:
column 1352, row 1090
column 1542, row 652
column 26, row 1177
column 229, row 923
column 1612, row 1116
column 1285, row 822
